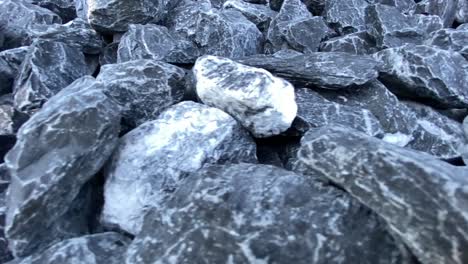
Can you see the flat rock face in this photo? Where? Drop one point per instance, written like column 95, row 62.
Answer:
column 247, row 213
column 426, row 73
column 157, row 43
column 446, row 9
column 450, row 39
column 371, row 170
column 404, row 6
column 10, row 62
column 259, row 14
column 359, row 43
column 262, row 103
column 7, row 125
column 97, row 248
column 64, row 8
column 109, row 54
column 346, row 16
column 70, row 138
column 5, row 254
column 462, row 12
column 329, row 70
column 152, row 159
column 43, row 73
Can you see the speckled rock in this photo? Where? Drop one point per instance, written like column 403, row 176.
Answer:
column 346, row 16
column 70, row 138
column 247, row 213
column 399, row 185
column 262, row 103
column 152, row 159
column 450, row 39
column 10, row 62
column 359, row 43
column 259, row 14
column 64, row 8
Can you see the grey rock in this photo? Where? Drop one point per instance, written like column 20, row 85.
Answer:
column 426, row 73
column 64, row 8
column 10, row 62
column 258, row 14
column 246, row 213
column 5, row 254
column 456, row 114
column 152, row 159
column 287, row 29
column 7, row 111
column 359, row 43
column 463, row 26
column 157, row 43
column 330, row 70
column 109, row 54
column 58, row 150
column 427, row 23
column 18, row 17
column 465, row 126
column 399, row 185
column 464, row 150
column 262, row 103
column 142, row 88
column 316, row 7
column 346, row 16
column 404, row 6
column 462, row 12
column 92, row 62
column 81, row 7
column 316, row 111
column 450, row 39
column 97, row 248
column 44, row 73
column 446, row 9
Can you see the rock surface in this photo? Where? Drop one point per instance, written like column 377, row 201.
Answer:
column 359, row 43
column 64, row 8
column 450, row 39
column 259, row 14
column 346, row 16
column 446, row 9
column 10, row 62
column 5, row 254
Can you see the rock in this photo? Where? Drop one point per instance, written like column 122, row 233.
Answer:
column 18, row 17
column 399, row 185
column 428, row 23
column 288, row 27
column 462, row 12
column 446, row 10
column 346, row 16
column 152, row 159
column 465, row 126
column 404, row 6
column 316, row 111
column 359, row 43
column 44, row 73
column 155, row 42
column 97, row 248
column 67, row 161
column 456, row 114
column 450, row 39
column 142, row 88
column 7, row 127
column 10, row 62
column 330, row 70
column 426, row 73
column 245, row 213
column 5, row 254
column 463, row 26
column 464, row 150
column 81, row 7
column 109, row 54
column 262, row 103
column 225, row 33
column 258, row 14
column 64, row 8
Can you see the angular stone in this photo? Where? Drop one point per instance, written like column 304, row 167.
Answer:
column 142, row 88
column 69, row 139
column 288, row 27
column 346, row 16
column 5, row 254
column 64, row 8
column 464, row 150
column 7, row 111
column 330, row 70
column 18, row 17
column 359, row 43
column 404, row 6
column 258, row 14
column 463, row 26
column 109, row 54
column 246, row 213
column 450, row 39
column 446, row 9
column 44, row 73
column 152, row 159
column 262, row 103
column 97, row 248
column 157, row 43
column 426, row 73
column 225, row 33
column 10, row 62
column 316, row 111
column 462, row 12
column 399, row 185
column 428, row 23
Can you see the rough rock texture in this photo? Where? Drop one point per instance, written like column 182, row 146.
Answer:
column 69, row 139
column 262, row 103
column 426, row 73
column 450, row 39
column 445, row 9
column 359, row 43
column 152, row 159
column 10, row 62
column 109, row 54
column 464, row 150
column 7, row 122
column 404, row 6
column 462, row 12
column 346, row 16
column 316, row 111
column 260, row 15
column 44, row 73
column 97, row 248
column 5, row 254
column 64, row 8
column 371, row 170
column 157, row 43
column 142, row 88
column 330, row 70
column 247, row 213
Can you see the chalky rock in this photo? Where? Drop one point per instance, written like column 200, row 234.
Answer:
column 260, row 15
column 346, row 16
column 10, row 62
column 399, row 185
column 97, row 248
column 44, row 73
column 18, row 17
column 262, row 103
column 70, row 138
column 155, row 42
column 142, row 88
column 152, row 159
column 450, row 39
column 246, row 213
column 446, row 9
column 5, row 254
column 287, row 29
column 330, row 70
column 225, row 33
column 316, row 111
column 426, row 73
column 109, row 54
column 359, row 43
column 64, row 8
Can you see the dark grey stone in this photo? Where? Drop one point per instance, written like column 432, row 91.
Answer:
column 346, row 16
column 10, row 62
column 463, row 26
column 64, row 8
column 7, row 111
column 445, row 9
column 260, row 15
column 5, row 254
column 44, row 73
column 359, row 43
column 400, row 185
column 450, row 39
column 262, row 103
column 404, row 6
column 109, row 54
column 58, row 150
column 246, row 213
column 152, row 159
column 462, row 12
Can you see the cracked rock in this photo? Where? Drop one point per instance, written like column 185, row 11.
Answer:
column 258, row 14
column 359, row 43
column 10, row 62
column 5, row 254
column 346, row 16
column 450, row 39
column 109, row 54
column 64, row 8
column 446, row 9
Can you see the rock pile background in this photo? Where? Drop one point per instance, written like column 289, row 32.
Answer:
column 234, row 131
